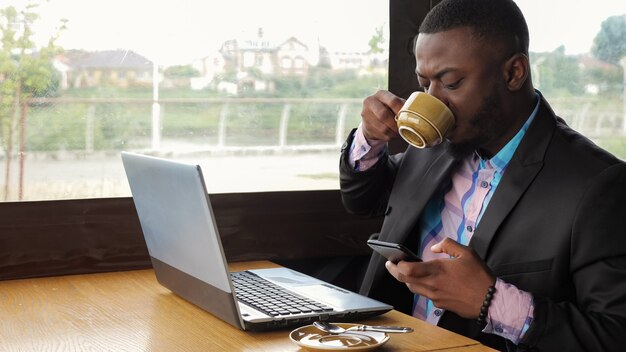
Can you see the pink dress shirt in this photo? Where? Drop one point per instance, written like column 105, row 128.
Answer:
column 511, row 310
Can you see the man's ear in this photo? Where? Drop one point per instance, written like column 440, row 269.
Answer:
column 516, row 71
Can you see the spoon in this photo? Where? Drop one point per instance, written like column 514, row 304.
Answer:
column 334, row 329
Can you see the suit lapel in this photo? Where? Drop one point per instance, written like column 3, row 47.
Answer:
column 409, row 204
column 412, row 191
column 515, row 181
column 521, row 171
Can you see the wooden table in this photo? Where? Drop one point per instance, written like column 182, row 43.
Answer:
column 130, row 311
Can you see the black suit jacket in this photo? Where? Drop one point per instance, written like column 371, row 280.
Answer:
column 555, row 227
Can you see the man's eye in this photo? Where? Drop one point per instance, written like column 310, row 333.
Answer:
column 453, row 85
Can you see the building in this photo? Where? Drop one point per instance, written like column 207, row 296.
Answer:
column 293, row 58
column 120, row 68
column 254, row 64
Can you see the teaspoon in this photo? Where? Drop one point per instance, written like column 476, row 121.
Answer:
column 334, row 329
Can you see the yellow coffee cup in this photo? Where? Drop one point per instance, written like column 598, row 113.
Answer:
column 424, row 120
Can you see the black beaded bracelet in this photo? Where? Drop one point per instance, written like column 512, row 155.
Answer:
column 482, row 316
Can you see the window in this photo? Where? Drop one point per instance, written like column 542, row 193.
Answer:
column 253, row 128
column 575, row 63
column 220, row 99
column 258, row 60
column 286, row 62
column 248, row 59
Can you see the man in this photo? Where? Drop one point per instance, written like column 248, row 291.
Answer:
column 520, row 220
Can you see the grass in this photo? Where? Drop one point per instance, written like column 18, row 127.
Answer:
column 615, row 145
column 118, row 125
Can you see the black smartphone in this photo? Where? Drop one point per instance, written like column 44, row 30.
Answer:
column 394, row 252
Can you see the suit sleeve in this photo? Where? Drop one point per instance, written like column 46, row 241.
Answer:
column 366, row 192
column 596, row 320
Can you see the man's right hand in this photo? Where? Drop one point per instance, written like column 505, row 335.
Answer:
column 378, row 116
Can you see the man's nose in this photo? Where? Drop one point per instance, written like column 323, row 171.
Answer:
column 436, row 92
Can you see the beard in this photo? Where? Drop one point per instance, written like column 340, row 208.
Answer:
column 490, row 124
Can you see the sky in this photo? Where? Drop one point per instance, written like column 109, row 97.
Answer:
column 180, row 30
column 572, row 23
column 177, row 32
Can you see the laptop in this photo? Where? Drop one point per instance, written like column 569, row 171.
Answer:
column 188, row 258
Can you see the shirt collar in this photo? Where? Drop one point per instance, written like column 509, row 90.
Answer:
column 500, row 161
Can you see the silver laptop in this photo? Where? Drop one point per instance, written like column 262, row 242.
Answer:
column 187, row 255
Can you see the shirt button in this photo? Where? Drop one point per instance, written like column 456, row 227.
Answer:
column 499, row 329
column 438, row 312
column 484, row 184
column 469, row 228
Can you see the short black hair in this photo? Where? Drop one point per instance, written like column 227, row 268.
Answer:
column 501, row 20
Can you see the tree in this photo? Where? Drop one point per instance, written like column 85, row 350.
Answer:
column 25, row 71
column 557, row 74
column 377, row 41
column 610, row 43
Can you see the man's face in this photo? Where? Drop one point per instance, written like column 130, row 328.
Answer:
column 467, row 76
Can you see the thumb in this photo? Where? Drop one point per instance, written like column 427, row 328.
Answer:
column 449, row 247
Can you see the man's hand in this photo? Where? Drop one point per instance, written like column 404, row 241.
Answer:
column 378, row 116
column 458, row 284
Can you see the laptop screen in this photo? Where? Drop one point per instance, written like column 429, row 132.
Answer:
column 175, row 216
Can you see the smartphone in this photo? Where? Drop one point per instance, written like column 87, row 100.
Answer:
column 394, row 252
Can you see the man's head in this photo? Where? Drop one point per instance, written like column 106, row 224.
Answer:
column 473, row 55
column 493, row 21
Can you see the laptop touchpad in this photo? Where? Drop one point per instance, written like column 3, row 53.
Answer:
column 325, row 293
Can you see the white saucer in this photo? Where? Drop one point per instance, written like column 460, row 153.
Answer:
column 313, row 338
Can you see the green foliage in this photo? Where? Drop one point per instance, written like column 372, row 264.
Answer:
column 557, row 74
column 326, row 83
column 376, row 43
column 252, row 124
column 608, row 80
column 116, row 125
column 610, row 43
column 181, row 71
column 25, row 72
column 65, row 126
column 324, row 61
column 313, row 123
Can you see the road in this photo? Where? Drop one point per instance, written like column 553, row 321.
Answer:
column 102, row 175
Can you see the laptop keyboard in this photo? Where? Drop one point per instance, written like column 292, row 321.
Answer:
column 270, row 298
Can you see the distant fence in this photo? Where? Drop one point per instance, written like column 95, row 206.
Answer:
column 223, row 125
column 592, row 117
column 236, row 124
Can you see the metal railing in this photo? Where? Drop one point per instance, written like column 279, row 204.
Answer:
column 217, row 129
column 223, row 115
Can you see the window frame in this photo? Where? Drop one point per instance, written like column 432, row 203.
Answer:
column 59, row 237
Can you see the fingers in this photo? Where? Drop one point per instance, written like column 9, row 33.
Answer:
column 378, row 115
column 392, row 101
column 450, row 247
column 418, row 276
column 441, row 280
